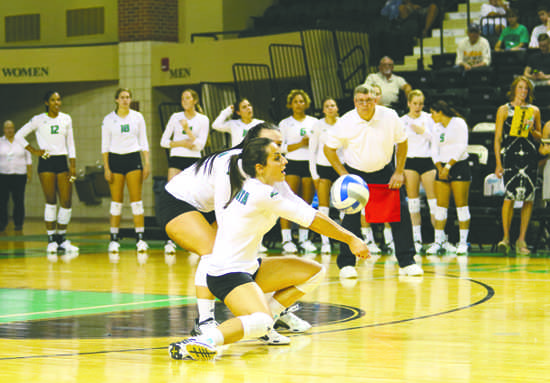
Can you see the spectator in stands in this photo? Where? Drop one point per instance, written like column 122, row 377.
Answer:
column 426, row 9
column 541, row 29
column 515, row 36
column 539, row 63
column 389, row 83
column 473, row 51
column 517, row 131
column 453, row 174
column 494, row 9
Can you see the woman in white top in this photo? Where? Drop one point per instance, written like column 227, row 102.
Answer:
column 125, row 151
column 296, row 131
column 185, row 135
column 236, row 275
column 321, row 170
column 54, row 135
column 419, row 166
column 453, row 174
column 15, row 172
column 237, row 120
column 186, row 212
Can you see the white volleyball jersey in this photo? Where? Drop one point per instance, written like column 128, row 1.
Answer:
column 293, row 131
column 124, row 135
column 419, row 145
column 55, row 135
column 210, row 190
column 241, row 227
column 13, row 157
column 199, row 126
column 451, row 142
column 237, row 128
column 317, row 142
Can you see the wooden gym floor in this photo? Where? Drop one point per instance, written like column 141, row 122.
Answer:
column 482, row 318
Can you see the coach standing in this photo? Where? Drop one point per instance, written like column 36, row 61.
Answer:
column 15, row 171
column 367, row 136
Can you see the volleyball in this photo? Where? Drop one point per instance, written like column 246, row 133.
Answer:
column 349, row 194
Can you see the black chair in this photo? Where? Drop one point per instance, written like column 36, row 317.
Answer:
column 542, row 95
column 504, row 59
column 444, row 60
column 448, row 78
column 480, row 77
column 417, row 79
column 482, row 113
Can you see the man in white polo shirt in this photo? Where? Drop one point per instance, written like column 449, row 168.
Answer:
column 367, row 136
column 389, row 83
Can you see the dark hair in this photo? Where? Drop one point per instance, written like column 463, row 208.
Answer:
column 512, row 92
column 512, row 12
column 543, row 37
column 47, row 96
column 297, row 92
column 195, row 96
column 118, row 92
column 236, row 108
column 448, row 110
column 253, row 133
column 254, row 152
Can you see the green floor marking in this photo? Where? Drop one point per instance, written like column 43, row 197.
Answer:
column 28, row 304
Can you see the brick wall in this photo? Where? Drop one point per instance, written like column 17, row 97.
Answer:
column 148, row 20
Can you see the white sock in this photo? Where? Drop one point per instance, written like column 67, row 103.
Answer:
column 62, row 232
column 367, row 234
column 206, row 308
column 302, row 235
column 287, row 235
column 388, row 237
column 464, row 235
column 275, row 307
column 417, row 233
column 325, row 210
column 212, row 333
column 114, row 230
column 439, row 236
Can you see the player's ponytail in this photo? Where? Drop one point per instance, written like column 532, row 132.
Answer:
column 254, row 132
column 254, row 152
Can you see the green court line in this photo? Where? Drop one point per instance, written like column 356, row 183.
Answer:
column 32, row 304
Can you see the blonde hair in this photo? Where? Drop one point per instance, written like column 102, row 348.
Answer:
column 414, row 93
column 295, row 92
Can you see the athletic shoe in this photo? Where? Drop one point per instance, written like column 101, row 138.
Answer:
column 142, row 246
column 290, row 322
column 170, row 259
column 325, row 249
column 391, row 247
column 289, row 247
column 52, row 247
column 262, row 249
column 201, row 349
column 418, row 247
column 434, row 249
column 308, row 246
column 348, row 272
column 114, row 246
column 449, row 248
column 199, row 327
column 373, row 248
column 67, row 247
column 170, row 247
column 503, row 247
column 274, row 338
column 177, row 350
column 462, row 249
column 412, row 270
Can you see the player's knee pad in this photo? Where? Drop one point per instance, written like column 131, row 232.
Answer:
column 312, row 282
column 463, row 213
column 440, row 213
column 414, row 205
column 50, row 213
column 256, row 325
column 432, row 203
column 116, row 208
column 137, row 208
column 200, row 274
column 64, row 216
